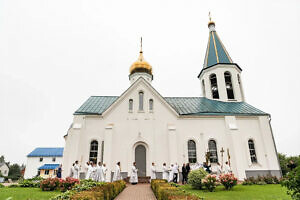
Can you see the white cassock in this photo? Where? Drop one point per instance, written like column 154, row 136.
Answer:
column 117, row 174
column 227, row 169
column 86, row 168
column 94, row 173
column 76, row 171
column 134, row 175
column 165, row 173
column 99, row 173
column 89, row 172
column 219, row 170
column 171, row 174
column 153, row 174
column 104, row 170
column 72, row 172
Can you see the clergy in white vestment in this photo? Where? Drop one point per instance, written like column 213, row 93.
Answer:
column 219, row 169
column 133, row 176
column 117, row 174
column 86, row 168
column 99, row 172
column 72, row 171
column 165, row 172
column 94, row 172
column 104, row 171
column 175, row 173
column 171, row 174
column 153, row 171
column 89, row 171
column 227, row 168
column 76, row 170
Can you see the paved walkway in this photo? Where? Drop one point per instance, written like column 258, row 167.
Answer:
column 140, row 191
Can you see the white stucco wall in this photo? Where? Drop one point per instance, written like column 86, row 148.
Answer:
column 33, row 163
column 165, row 136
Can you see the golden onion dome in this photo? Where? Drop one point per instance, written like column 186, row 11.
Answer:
column 141, row 65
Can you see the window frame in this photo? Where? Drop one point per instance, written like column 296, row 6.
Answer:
column 228, row 81
column 252, row 152
column 141, row 101
column 192, row 151
column 41, row 159
column 93, row 154
column 151, row 105
column 213, row 151
column 130, row 105
column 214, row 84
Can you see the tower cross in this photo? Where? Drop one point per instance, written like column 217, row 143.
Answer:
column 209, row 16
column 141, row 44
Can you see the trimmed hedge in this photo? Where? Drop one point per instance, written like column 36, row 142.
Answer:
column 107, row 191
column 165, row 191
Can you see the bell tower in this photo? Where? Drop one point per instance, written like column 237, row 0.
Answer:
column 220, row 77
column 140, row 68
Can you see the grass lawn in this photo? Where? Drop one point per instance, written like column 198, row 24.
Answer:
column 25, row 194
column 244, row 192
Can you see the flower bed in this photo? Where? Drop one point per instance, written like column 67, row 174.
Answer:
column 228, row 181
column 261, row 180
column 210, row 182
column 165, row 191
column 67, row 184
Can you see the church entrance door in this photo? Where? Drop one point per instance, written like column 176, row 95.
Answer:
column 140, row 159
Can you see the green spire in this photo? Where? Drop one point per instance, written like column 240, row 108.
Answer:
column 215, row 52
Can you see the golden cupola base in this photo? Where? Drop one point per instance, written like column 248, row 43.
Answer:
column 140, row 68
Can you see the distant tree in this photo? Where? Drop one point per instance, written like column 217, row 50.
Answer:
column 14, row 172
column 284, row 162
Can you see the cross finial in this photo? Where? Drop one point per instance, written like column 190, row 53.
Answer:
column 141, row 45
column 209, row 16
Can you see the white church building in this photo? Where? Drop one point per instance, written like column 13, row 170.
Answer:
column 143, row 126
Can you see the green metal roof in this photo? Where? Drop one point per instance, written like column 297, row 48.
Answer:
column 215, row 52
column 96, row 105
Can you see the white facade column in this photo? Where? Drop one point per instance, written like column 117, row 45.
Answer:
column 107, row 155
column 172, row 137
column 235, row 148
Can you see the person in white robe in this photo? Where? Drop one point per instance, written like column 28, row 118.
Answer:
column 117, row 174
column 86, row 168
column 165, row 172
column 94, row 172
column 219, row 169
column 175, row 173
column 171, row 174
column 99, row 172
column 134, row 176
column 72, row 171
column 104, row 171
column 227, row 168
column 153, row 171
column 76, row 170
column 89, row 171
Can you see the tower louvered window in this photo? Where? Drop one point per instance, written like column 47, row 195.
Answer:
column 252, row 151
column 212, row 147
column 228, row 83
column 192, row 155
column 151, row 104
column 141, row 101
column 130, row 104
column 214, row 86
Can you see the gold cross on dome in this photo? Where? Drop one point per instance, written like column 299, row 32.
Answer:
column 209, row 16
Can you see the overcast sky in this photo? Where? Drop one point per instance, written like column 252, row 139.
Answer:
column 54, row 54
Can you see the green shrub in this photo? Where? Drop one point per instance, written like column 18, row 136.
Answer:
column 195, row 178
column 50, row 184
column 1, row 185
column 167, row 191
column 13, row 186
column 29, row 183
column 292, row 183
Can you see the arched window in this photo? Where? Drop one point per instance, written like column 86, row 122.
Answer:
column 151, row 104
column 252, row 151
column 228, row 84
column 203, row 88
column 94, row 151
column 192, row 155
column 130, row 104
column 212, row 147
column 214, row 86
column 141, row 100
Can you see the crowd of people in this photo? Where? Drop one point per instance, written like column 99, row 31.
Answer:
column 97, row 172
